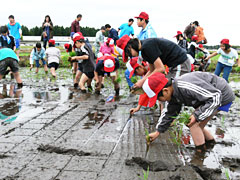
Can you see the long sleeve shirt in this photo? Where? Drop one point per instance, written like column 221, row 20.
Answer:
column 201, row 90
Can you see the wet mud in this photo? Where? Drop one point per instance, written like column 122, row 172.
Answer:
column 63, row 151
column 51, row 131
column 152, row 166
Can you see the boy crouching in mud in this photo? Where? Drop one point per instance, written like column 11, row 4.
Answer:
column 107, row 65
column 206, row 92
column 53, row 56
column 8, row 58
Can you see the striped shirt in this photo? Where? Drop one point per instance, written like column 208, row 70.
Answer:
column 204, row 91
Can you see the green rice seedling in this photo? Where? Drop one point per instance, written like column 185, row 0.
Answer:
column 72, row 54
column 147, row 136
column 145, row 175
column 134, row 79
column 237, row 69
column 226, row 171
column 148, row 120
column 176, row 131
column 138, row 91
column 200, row 55
column 223, row 121
column 118, row 80
column 184, row 117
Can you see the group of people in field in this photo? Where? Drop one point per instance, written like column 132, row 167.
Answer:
column 170, row 72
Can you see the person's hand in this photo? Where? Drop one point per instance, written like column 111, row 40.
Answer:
column 133, row 110
column 192, row 121
column 206, row 59
column 139, row 83
column 154, row 136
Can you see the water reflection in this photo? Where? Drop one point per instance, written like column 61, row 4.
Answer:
column 9, row 109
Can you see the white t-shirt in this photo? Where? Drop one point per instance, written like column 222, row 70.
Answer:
column 53, row 54
column 227, row 59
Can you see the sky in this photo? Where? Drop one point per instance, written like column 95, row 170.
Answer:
column 218, row 18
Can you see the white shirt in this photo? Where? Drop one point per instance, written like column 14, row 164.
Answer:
column 53, row 54
column 227, row 59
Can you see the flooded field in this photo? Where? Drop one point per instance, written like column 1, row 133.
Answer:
column 49, row 131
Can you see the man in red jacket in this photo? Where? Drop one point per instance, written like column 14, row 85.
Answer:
column 75, row 26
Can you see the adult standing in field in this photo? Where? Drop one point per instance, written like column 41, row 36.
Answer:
column 112, row 33
column 75, row 26
column 99, row 39
column 199, row 32
column 47, row 27
column 6, row 40
column 146, row 32
column 147, row 29
column 16, row 31
column 126, row 29
column 189, row 32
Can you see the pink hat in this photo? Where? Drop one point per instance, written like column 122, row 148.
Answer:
column 153, row 85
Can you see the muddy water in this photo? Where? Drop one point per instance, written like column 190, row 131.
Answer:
column 52, row 131
column 38, row 92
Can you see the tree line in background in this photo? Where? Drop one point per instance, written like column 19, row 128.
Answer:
column 86, row 31
column 58, row 31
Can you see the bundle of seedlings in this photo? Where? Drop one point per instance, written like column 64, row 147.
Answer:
column 118, row 80
column 176, row 130
column 137, row 90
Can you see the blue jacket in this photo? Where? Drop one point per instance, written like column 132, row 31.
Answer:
column 37, row 55
column 146, row 33
column 113, row 34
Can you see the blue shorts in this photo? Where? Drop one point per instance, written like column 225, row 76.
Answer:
column 17, row 43
column 225, row 107
column 37, row 63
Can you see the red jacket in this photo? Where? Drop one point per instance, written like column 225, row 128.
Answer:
column 75, row 26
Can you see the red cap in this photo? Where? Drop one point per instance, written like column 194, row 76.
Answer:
column 143, row 15
column 225, row 41
column 153, row 85
column 178, row 32
column 200, row 46
column 121, row 43
column 194, row 38
column 77, row 38
column 110, row 41
column 109, row 64
column 66, row 46
column 51, row 41
column 132, row 65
